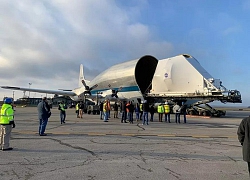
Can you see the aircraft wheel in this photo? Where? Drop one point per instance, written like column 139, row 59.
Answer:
column 204, row 113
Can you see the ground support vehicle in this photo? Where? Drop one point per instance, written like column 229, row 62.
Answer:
column 93, row 109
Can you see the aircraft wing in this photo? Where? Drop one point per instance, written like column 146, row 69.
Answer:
column 59, row 92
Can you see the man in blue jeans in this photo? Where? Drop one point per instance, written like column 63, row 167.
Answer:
column 62, row 107
column 145, row 108
column 177, row 111
column 43, row 115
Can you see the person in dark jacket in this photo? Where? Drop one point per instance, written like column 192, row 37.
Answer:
column 124, row 113
column 101, row 110
column 244, row 139
column 184, row 112
column 81, row 108
column 131, row 109
column 43, row 115
column 115, row 110
column 152, row 111
column 137, row 112
column 145, row 108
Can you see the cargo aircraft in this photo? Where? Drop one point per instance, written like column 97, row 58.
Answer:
column 178, row 78
column 123, row 81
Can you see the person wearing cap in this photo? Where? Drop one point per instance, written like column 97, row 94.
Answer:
column 43, row 115
column 6, row 124
column 62, row 107
column 167, row 112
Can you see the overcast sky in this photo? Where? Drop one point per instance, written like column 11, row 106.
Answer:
column 44, row 42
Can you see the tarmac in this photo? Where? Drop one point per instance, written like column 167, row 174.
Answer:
column 90, row 149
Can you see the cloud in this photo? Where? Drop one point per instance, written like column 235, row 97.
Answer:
column 44, row 42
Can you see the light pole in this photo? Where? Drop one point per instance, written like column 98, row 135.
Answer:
column 29, row 88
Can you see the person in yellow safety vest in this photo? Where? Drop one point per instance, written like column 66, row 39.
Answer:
column 62, row 107
column 141, row 110
column 167, row 112
column 6, row 123
column 105, row 111
column 77, row 110
column 160, row 110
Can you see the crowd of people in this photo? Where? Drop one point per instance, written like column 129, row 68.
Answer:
column 141, row 111
column 127, row 111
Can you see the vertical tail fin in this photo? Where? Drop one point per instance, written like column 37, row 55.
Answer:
column 81, row 76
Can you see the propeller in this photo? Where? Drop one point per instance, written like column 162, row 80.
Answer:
column 114, row 92
column 87, row 88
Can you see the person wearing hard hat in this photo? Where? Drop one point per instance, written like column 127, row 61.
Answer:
column 7, row 123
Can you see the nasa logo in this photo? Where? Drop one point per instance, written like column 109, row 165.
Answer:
column 166, row 75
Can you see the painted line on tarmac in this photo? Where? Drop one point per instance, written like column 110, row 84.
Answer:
column 128, row 134
column 95, row 134
column 166, row 135
column 200, row 136
column 205, row 117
